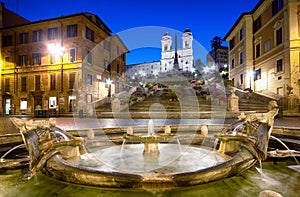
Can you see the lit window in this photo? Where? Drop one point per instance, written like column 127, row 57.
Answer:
column 23, row 104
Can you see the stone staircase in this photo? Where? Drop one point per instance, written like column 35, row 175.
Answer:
column 188, row 103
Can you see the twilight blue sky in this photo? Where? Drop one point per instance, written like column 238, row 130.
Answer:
column 205, row 18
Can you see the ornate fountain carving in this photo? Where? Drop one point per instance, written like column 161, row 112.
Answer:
column 241, row 146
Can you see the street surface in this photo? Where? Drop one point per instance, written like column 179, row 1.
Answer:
column 70, row 123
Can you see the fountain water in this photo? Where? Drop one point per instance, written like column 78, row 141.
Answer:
column 150, row 161
column 287, row 148
column 150, row 128
column 10, row 150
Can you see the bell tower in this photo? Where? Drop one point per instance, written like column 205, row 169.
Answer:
column 187, row 39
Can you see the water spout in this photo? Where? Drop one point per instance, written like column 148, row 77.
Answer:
column 281, row 142
column 10, row 150
column 122, row 147
column 66, row 138
column 150, row 128
column 260, row 170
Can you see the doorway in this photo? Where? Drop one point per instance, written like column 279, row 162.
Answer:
column 7, row 106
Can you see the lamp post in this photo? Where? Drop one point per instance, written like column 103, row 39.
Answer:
column 58, row 51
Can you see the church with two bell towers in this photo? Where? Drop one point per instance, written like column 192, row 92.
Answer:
column 177, row 59
column 173, row 59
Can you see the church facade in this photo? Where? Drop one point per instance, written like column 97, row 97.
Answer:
column 172, row 57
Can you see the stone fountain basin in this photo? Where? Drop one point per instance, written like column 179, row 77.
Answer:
column 156, row 138
column 109, row 167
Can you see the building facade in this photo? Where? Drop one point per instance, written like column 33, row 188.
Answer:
column 264, row 48
column 218, row 57
column 60, row 64
column 172, row 57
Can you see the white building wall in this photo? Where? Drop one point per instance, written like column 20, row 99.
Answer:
column 166, row 64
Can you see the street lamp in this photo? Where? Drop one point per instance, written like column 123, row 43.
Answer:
column 109, row 82
column 58, row 51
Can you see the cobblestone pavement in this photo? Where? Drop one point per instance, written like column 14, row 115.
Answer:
column 70, row 123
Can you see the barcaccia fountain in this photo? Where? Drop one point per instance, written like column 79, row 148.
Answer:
column 150, row 160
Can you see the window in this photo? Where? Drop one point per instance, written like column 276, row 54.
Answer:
column 72, row 55
column 241, row 57
column 23, row 104
column 231, row 43
column 52, row 33
column 89, row 34
column 257, row 50
column 90, row 57
column 52, row 82
column 72, row 30
column 277, row 5
column 241, row 79
column 187, row 44
column 72, row 80
column 7, row 85
column 37, row 36
column 37, row 83
column 23, row 60
column 23, row 39
column 279, row 65
column 267, row 46
column 23, row 84
column 165, row 47
column 257, row 74
column 7, row 41
column 89, row 79
column 36, row 59
column 241, row 34
column 232, row 64
column 257, row 24
column 278, row 36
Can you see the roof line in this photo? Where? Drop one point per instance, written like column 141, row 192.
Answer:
column 241, row 16
column 63, row 17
